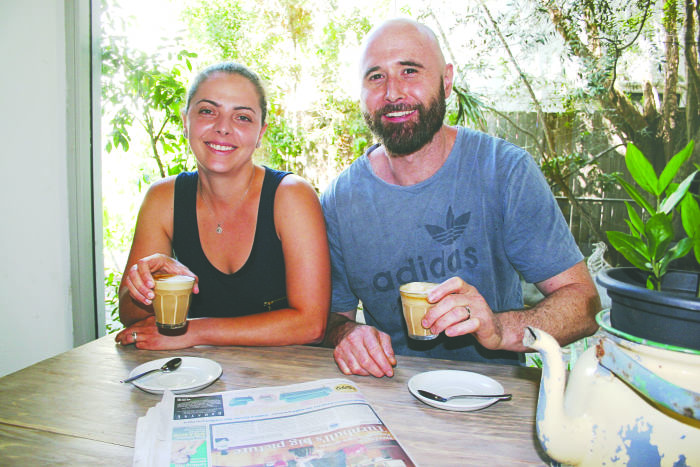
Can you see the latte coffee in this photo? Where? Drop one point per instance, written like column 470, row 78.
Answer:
column 172, row 300
column 414, row 299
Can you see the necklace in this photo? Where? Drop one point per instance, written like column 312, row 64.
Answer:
column 220, row 225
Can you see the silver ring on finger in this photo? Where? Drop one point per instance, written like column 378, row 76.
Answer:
column 469, row 313
column 133, row 334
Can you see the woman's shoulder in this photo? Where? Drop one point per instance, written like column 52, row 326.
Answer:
column 293, row 183
column 161, row 191
column 294, row 192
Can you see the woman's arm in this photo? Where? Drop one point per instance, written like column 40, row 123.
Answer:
column 301, row 229
column 151, row 250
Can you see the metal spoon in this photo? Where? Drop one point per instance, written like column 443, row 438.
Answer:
column 170, row 365
column 435, row 397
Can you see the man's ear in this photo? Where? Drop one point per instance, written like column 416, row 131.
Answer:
column 448, row 79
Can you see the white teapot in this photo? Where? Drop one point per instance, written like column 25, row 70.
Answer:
column 625, row 402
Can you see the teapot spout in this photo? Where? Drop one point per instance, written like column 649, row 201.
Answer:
column 563, row 437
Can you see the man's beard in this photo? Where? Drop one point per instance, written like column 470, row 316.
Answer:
column 401, row 139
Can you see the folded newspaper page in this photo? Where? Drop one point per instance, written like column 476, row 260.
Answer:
column 319, row 423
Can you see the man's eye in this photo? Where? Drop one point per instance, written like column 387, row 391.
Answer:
column 410, row 71
column 205, row 111
column 245, row 118
column 375, row 77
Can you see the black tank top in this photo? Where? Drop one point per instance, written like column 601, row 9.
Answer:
column 259, row 285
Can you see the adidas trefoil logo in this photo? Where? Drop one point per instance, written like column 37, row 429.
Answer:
column 453, row 229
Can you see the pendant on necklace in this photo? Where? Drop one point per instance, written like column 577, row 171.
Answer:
column 219, row 229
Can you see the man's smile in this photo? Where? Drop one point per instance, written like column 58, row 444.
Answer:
column 399, row 114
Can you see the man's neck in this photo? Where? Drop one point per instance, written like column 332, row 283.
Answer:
column 416, row 167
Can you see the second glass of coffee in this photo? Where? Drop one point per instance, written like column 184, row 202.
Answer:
column 414, row 300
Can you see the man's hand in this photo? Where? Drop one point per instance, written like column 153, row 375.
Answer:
column 363, row 350
column 460, row 309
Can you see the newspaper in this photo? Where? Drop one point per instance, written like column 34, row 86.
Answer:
column 319, row 423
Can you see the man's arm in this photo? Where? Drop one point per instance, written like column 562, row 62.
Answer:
column 338, row 325
column 567, row 312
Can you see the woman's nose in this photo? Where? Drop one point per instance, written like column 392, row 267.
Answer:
column 222, row 126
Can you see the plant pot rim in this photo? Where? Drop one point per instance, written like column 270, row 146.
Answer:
column 626, row 281
column 603, row 320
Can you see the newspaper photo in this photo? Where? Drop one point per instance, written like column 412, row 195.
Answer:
column 319, row 423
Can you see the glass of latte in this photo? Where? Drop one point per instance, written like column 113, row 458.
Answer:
column 414, row 299
column 172, row 300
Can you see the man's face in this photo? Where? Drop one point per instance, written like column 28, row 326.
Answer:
column 408, row 136
column 404, row 85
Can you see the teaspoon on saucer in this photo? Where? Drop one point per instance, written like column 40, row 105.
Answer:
column 170, row 365
column 435, row 397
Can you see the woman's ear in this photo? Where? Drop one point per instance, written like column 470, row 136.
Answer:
column 184, row 124
column 260, row 136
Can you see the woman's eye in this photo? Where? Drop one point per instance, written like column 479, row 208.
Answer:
column 205, row 111
column 245, row 118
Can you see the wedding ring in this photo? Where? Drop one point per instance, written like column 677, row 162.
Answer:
column 133, row 334
column 469, row 313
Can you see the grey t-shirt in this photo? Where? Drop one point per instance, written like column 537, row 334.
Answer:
column 486, row 215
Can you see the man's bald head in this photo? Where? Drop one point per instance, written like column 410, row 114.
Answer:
column 402, row 32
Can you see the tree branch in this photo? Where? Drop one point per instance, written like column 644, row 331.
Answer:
column 549, row 139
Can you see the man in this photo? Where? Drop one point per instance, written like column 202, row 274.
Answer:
column 448, row 205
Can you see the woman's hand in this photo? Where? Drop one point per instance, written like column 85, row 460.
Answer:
column 144, row 334
column 139, row 278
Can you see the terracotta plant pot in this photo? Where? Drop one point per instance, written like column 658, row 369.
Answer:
column 670, row 316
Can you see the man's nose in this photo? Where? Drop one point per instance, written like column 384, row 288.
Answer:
column 394, row 90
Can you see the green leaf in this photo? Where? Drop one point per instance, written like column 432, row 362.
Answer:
column 636, row 195
column 678, row 250
column 672, row 167
column 650, row 284
column 632, row 248
column 659, row 233
column 642, row 171
column 674, row 198
column 635, row 222
column 690, row 215
column 633, row 229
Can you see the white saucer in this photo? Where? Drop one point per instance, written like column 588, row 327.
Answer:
column 194, row 374
column 452, row 382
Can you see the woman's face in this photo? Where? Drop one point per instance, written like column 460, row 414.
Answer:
column 223, row 122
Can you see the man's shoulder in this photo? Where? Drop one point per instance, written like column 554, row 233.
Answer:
column 351, row 175
column 471, row 137
column 490, row 151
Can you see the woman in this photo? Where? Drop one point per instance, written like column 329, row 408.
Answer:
column 253, row 237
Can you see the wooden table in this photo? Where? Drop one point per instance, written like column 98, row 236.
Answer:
column 72, row 409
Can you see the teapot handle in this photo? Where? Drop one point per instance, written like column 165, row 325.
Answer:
column 681, row 401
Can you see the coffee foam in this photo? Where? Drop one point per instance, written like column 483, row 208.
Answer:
column 417, row 287
column 173, row 281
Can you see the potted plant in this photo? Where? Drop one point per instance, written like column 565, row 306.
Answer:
column 650, row 300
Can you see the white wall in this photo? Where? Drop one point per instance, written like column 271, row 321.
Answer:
column 35, row 274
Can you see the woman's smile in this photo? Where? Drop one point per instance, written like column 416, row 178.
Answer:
column 221, row 147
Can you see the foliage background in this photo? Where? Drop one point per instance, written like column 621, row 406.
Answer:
column 571, row 81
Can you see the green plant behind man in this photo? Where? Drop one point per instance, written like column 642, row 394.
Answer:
column 650, row 246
